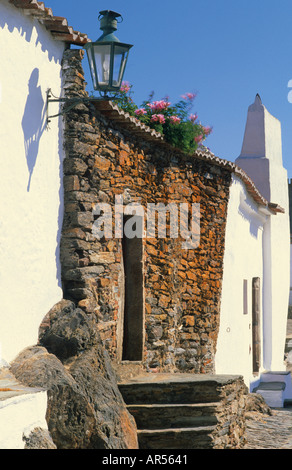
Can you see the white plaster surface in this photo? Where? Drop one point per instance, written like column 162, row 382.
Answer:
column 262, row 136
column 290, row 296
column 264, row 253
column 276, row 299
column 19, row 416
column 242, row 261
column 30, row 190
column 254, row 137
column 263, row 132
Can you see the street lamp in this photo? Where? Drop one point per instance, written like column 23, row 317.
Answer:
column 107, row 61
column 107, row 56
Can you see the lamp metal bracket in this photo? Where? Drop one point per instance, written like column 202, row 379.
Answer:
column 70, row 103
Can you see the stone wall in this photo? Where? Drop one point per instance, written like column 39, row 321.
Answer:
column 230, row 432
column 181, row 288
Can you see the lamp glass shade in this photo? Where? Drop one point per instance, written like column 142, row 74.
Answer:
column 107, row 61
column 120, row 59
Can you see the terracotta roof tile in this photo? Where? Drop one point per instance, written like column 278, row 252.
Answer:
column 58, row 26
column 113, row 112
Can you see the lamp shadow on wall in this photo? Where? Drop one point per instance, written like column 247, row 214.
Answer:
column 33, row 122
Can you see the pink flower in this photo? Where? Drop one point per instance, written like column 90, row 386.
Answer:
column 158, row 118
column 198, row 138
column 140, row 112
column 193, row 117
column 158, row 105
column 189, row 96
column 125, row 87
column 174, row 119
column 207, row 130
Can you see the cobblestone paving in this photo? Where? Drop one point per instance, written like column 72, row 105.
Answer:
column 270, row 432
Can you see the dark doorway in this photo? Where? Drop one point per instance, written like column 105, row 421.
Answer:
column 133, row 297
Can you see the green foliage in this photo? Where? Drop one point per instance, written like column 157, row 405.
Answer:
column 179, row 127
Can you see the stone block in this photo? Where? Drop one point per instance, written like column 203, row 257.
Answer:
column 101, row 163
column 74, row 166
column 102, row 258
column 81, row 274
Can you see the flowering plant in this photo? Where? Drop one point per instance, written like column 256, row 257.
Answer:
column 175, row 122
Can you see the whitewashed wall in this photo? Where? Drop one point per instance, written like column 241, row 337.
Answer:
column 277, row 295
column 242, row 261
column 261, row 158
column 263, row 253
column 290, row 295
column 30, row 190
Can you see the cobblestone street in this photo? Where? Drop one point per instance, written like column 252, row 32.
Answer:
column 271, row 432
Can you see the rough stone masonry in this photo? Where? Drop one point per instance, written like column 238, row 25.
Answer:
column 180, row 289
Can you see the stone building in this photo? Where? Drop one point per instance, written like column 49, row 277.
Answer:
column 180, row 296
column 210, row 298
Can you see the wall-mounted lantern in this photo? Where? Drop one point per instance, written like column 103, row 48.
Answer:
column 107, row 56
column 107, row 62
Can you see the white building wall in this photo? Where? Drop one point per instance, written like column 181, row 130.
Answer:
column 278, row 295
column 290, row 225
column 290, row 296
column 30, row 190
column 261, row 158
column 242, row 261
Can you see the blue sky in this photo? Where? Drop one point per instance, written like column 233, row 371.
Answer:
column 227, row 51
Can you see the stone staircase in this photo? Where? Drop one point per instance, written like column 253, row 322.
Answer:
column 275, row 388
column 183, row 411
column 22, row 410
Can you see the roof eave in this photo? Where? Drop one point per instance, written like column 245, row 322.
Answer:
column 56, row 25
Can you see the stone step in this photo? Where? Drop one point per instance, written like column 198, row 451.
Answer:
column 160, row 416
column 181, row 411
column 279, row 376
column 180, row 438
column 275, row 376
column 272, row 392
column 270, row 386
column 173, row 389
